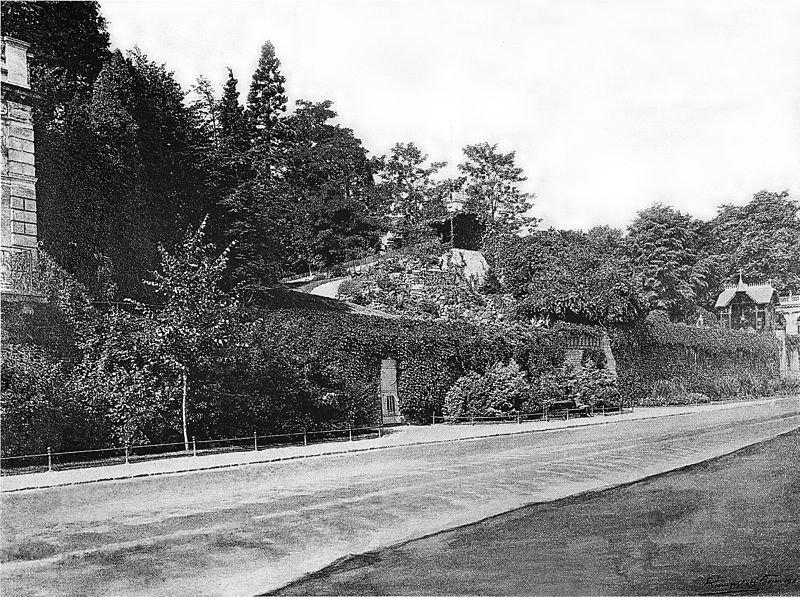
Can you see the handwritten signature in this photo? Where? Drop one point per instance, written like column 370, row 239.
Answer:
column 719, row 585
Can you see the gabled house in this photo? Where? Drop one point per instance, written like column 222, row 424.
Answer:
column 744, row 306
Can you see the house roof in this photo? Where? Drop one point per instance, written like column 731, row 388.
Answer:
column 761, row 294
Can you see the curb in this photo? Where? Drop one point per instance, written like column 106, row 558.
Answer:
column 349, row 451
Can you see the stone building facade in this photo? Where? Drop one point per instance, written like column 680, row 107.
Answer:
column 18, row 222
column 789, row 310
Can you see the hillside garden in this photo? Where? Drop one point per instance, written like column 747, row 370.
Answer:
column 168, row 216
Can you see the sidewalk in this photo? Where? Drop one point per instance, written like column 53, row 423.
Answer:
column 399, row 437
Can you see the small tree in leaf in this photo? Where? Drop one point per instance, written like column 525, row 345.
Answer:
column 491, row 182
column 193, row 326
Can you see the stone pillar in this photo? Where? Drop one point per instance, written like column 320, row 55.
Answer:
column 19, row 226
column 390, row 405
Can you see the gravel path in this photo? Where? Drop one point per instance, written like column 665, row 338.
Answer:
column 329, row 289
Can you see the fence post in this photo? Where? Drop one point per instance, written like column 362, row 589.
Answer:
column 380, row 429
column 305, row 437
column 49, row 459
column 434, row 419
column 255, row 441
column 567, row 414
column 350, row 433
column 472, row 420
column 126, row 454
column 604, row 409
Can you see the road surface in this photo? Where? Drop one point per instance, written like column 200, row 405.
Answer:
column 249, row 530
column 730, row 525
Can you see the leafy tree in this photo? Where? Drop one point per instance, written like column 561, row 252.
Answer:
column 196, row 319
column 31, row 403
column 318, row 211
column 69, row 44
column 491, row 184
column 571, row 276
column 206, row 112
column 665, row 245
column 122, row 383
column 331, row 177
column 414, row 197
column 122, row 174
column 762, row 238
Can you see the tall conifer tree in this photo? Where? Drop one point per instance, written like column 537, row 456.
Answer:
column 267, row 98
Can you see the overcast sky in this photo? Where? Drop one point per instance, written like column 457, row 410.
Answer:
column 610, row 105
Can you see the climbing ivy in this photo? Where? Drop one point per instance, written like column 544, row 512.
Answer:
column 661, row 362
column 340, row 353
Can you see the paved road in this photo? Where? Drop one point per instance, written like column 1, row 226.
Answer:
column 248, row 530
column 729, row 525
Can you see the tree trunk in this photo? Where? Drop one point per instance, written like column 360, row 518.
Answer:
column 183, row 412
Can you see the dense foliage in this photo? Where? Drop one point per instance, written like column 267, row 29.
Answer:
column 661, row 362
column 151, row 335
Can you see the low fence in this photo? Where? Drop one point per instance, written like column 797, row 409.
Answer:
column 331, row 271
column 553, row 415
column 50, row 461
column 347, row 266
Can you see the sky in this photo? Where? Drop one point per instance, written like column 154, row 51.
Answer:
column 610, row 105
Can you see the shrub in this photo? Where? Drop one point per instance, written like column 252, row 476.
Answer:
column 597, row 386
column 585, row 385
column 502, row 390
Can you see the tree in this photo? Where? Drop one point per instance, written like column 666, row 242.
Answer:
column 206, row 112
column 318, row 211
column 233, row 129
column 69, row 44
column 762, row 238
column 665, row 246
column 266, row 103
column 196, row 319
column 122, row 174
column 332, row 184
column 414, row 198
column 571, row 276
column 491, row 184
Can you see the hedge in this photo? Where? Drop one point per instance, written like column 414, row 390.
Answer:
column 659, row 362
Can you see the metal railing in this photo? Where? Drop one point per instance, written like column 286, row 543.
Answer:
column 126, row 454
column 17, row 270
column 347, row 266
column 544, row 416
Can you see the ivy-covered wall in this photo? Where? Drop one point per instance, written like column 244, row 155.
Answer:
column 342, row 351
column 659, row 362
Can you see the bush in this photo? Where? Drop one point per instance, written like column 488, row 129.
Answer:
column 501, row 391
column 597, row 386
column 584, row 385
